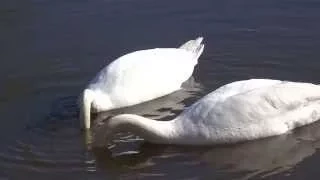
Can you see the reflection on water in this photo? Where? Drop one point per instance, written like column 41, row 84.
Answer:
column 50, row 49
column 260, row 158
column 52, row 144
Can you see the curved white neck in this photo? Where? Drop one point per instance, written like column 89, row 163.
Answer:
column 161, row 132
column 93, row 100
column 86, row 102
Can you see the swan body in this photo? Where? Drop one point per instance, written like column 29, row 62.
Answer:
column 140, row 76
column 239, row 111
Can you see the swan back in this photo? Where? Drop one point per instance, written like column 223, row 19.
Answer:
column 144, row 75
column 135, row 66
column 147, row 74
column 261, row 108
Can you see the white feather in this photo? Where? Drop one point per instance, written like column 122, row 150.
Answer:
column 239, row 111
column 142, row 76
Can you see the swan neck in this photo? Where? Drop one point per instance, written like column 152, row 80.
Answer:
column 86, row 103
column 160, row 132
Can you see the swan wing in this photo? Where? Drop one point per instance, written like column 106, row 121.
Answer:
column 254, row 112
column 145, row 74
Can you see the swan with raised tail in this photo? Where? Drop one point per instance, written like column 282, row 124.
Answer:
column 140, row 76
column 236, row 112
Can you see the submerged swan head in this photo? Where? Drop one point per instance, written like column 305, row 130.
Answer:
column 92, row 100
column 160, row 132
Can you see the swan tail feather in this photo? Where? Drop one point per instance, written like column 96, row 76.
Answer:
column 195, row 46
column 85, row 113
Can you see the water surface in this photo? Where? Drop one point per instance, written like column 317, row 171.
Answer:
column 51, row 49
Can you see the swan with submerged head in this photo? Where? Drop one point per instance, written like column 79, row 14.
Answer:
column 236, row 112
column 140, row 76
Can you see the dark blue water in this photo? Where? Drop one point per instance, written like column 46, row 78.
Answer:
column 50, row 49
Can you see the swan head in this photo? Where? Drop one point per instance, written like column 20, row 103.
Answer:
column 103, row 134
column 95, row 101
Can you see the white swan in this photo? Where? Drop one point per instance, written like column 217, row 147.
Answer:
column 140, row 76
column 239, row 111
